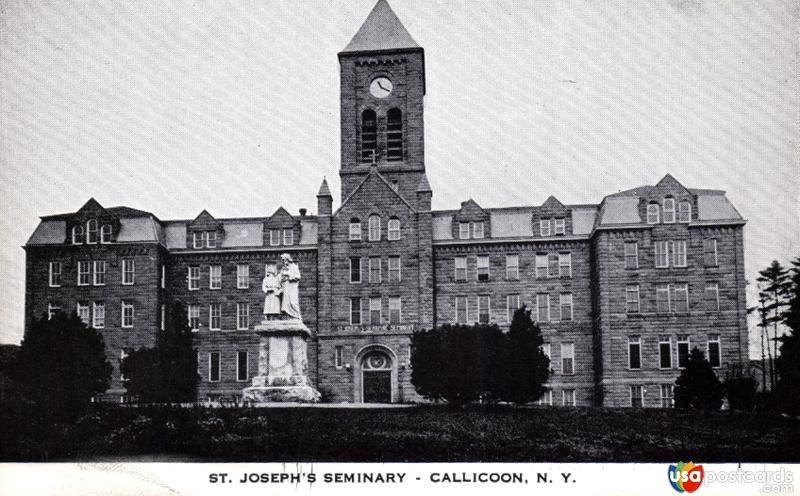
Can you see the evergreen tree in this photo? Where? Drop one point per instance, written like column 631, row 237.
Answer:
column 698, row 385
column 774, row 286
column 527, row 367
column 61, row 365
column 788, row 363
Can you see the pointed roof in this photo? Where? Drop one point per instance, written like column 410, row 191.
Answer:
column 553, row 203
column 381, row 31
column 324, row 190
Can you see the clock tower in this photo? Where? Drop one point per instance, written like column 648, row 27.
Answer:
column 382, row 92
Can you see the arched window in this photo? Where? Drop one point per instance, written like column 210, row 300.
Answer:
column 394, row 229
column 684, row 211
column 77, row 235
column 355, row 229
column 105, row 233
column 369, row 135
column 374, row 227
column 394, row 135
column 652, row 213
column 91, row 231
column 669, row 210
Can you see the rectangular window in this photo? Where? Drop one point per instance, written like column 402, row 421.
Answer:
column 652, row 213
column 544, row 227
column 684, row 211
column 565, row 265
column 99, row 273
column 355, row 270
column 163, row 319
column 666, row 391
column 559, row 226
column 374, row 270
column 543, row 307
column 274, row 237
column 669, row 211
column 84, row 273
column 637, row 399
column 394, row 269
column 163, row 276
column 288, row 237
column 567, row 358
column 99, row 321
column 461, row 309
column 631, row 255
column 194, row 278
column 393, row 229
column 395, row 310
column 552, row 265
column 714, row 351
column 193, row 312
column 680, row 254
column 463, row 230
column 52, row 310
column 242, row 316
column 664, row 352
column 662, row 298
column 662, row 254
column 55, row 274
column 634, row 353
column 338, row 357
column 541, row 266
column 483, row 268
column 213, row 366
column 512, row 305
column 710, row 252
column 712, row 297
column 127, row 314
column 683, row 351
column 214, row 317
column 483, row 309
column 375, row 311
column 681, row 299
column 565, row 304
column 354, row 233
column 84, row 313
column 211, row 239
column 512, row 267
column 128, row 271
column 461, row 268
column 123, row 354
column 477, row 230
column 568, row 397
column 242, row 276
column 105, row 234
column 215, row 277
column 355, row 311
column 197, row 240
column 241, row 366
column 632, row 298
column 546, row 399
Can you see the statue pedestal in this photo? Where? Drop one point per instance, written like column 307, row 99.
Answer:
column 282, row 365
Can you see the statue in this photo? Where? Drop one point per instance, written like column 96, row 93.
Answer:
column 290, row 277
column 271, row 286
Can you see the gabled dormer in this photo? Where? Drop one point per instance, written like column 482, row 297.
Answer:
column 204, row 232
column 281, row 229
column 668, row 202
column 92, row 224
column 551, row 219
column 471, row 221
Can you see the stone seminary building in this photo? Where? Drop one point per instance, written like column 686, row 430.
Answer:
column 622, row 289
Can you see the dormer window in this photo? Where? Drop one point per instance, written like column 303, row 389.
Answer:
column 544, row 227
column 684, row 211
column 77, row 235
column 355, row 230
column 477, row 230
column 669, row 210
column 211, row 239
column 204, row 239
column 463, row 230
column 92, row 232
column 652, row 213
column 105, row 233
column 197, row 240
column 274, row 237
column 288, row 237
column 559, row 226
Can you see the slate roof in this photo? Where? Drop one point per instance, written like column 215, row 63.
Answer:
column 382, row 30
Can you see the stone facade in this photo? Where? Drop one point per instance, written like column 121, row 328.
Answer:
column 382, row 264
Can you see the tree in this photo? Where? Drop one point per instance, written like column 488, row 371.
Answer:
column 740, row 389
column 698, row 385
column 526, row 365
column 788, row 362
column 457, row 363
column 61, row 365
column 167, row 372
column 774, row 286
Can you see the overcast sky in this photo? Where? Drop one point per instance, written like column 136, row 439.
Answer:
column 173, row 107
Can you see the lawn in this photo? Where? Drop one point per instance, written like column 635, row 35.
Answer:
column 418, row 434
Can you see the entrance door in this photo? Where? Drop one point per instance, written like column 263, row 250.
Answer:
column 377, row 386
column 376, row 378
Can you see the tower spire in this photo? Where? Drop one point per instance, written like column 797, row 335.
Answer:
column 381, row 31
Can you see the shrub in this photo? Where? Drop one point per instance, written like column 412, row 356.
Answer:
column 526, row 366
column 740, row 389
column 698, row 385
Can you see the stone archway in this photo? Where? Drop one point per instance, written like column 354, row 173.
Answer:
column 376, row 375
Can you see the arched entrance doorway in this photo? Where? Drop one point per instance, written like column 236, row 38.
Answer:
column 376, row 377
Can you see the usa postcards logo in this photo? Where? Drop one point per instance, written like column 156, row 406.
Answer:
column 685, row 477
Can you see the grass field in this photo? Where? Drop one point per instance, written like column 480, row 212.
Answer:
column 426, row 433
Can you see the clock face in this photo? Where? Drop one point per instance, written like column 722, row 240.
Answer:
column 380, row 87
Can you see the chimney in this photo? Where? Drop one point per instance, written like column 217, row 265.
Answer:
column 303, row 212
